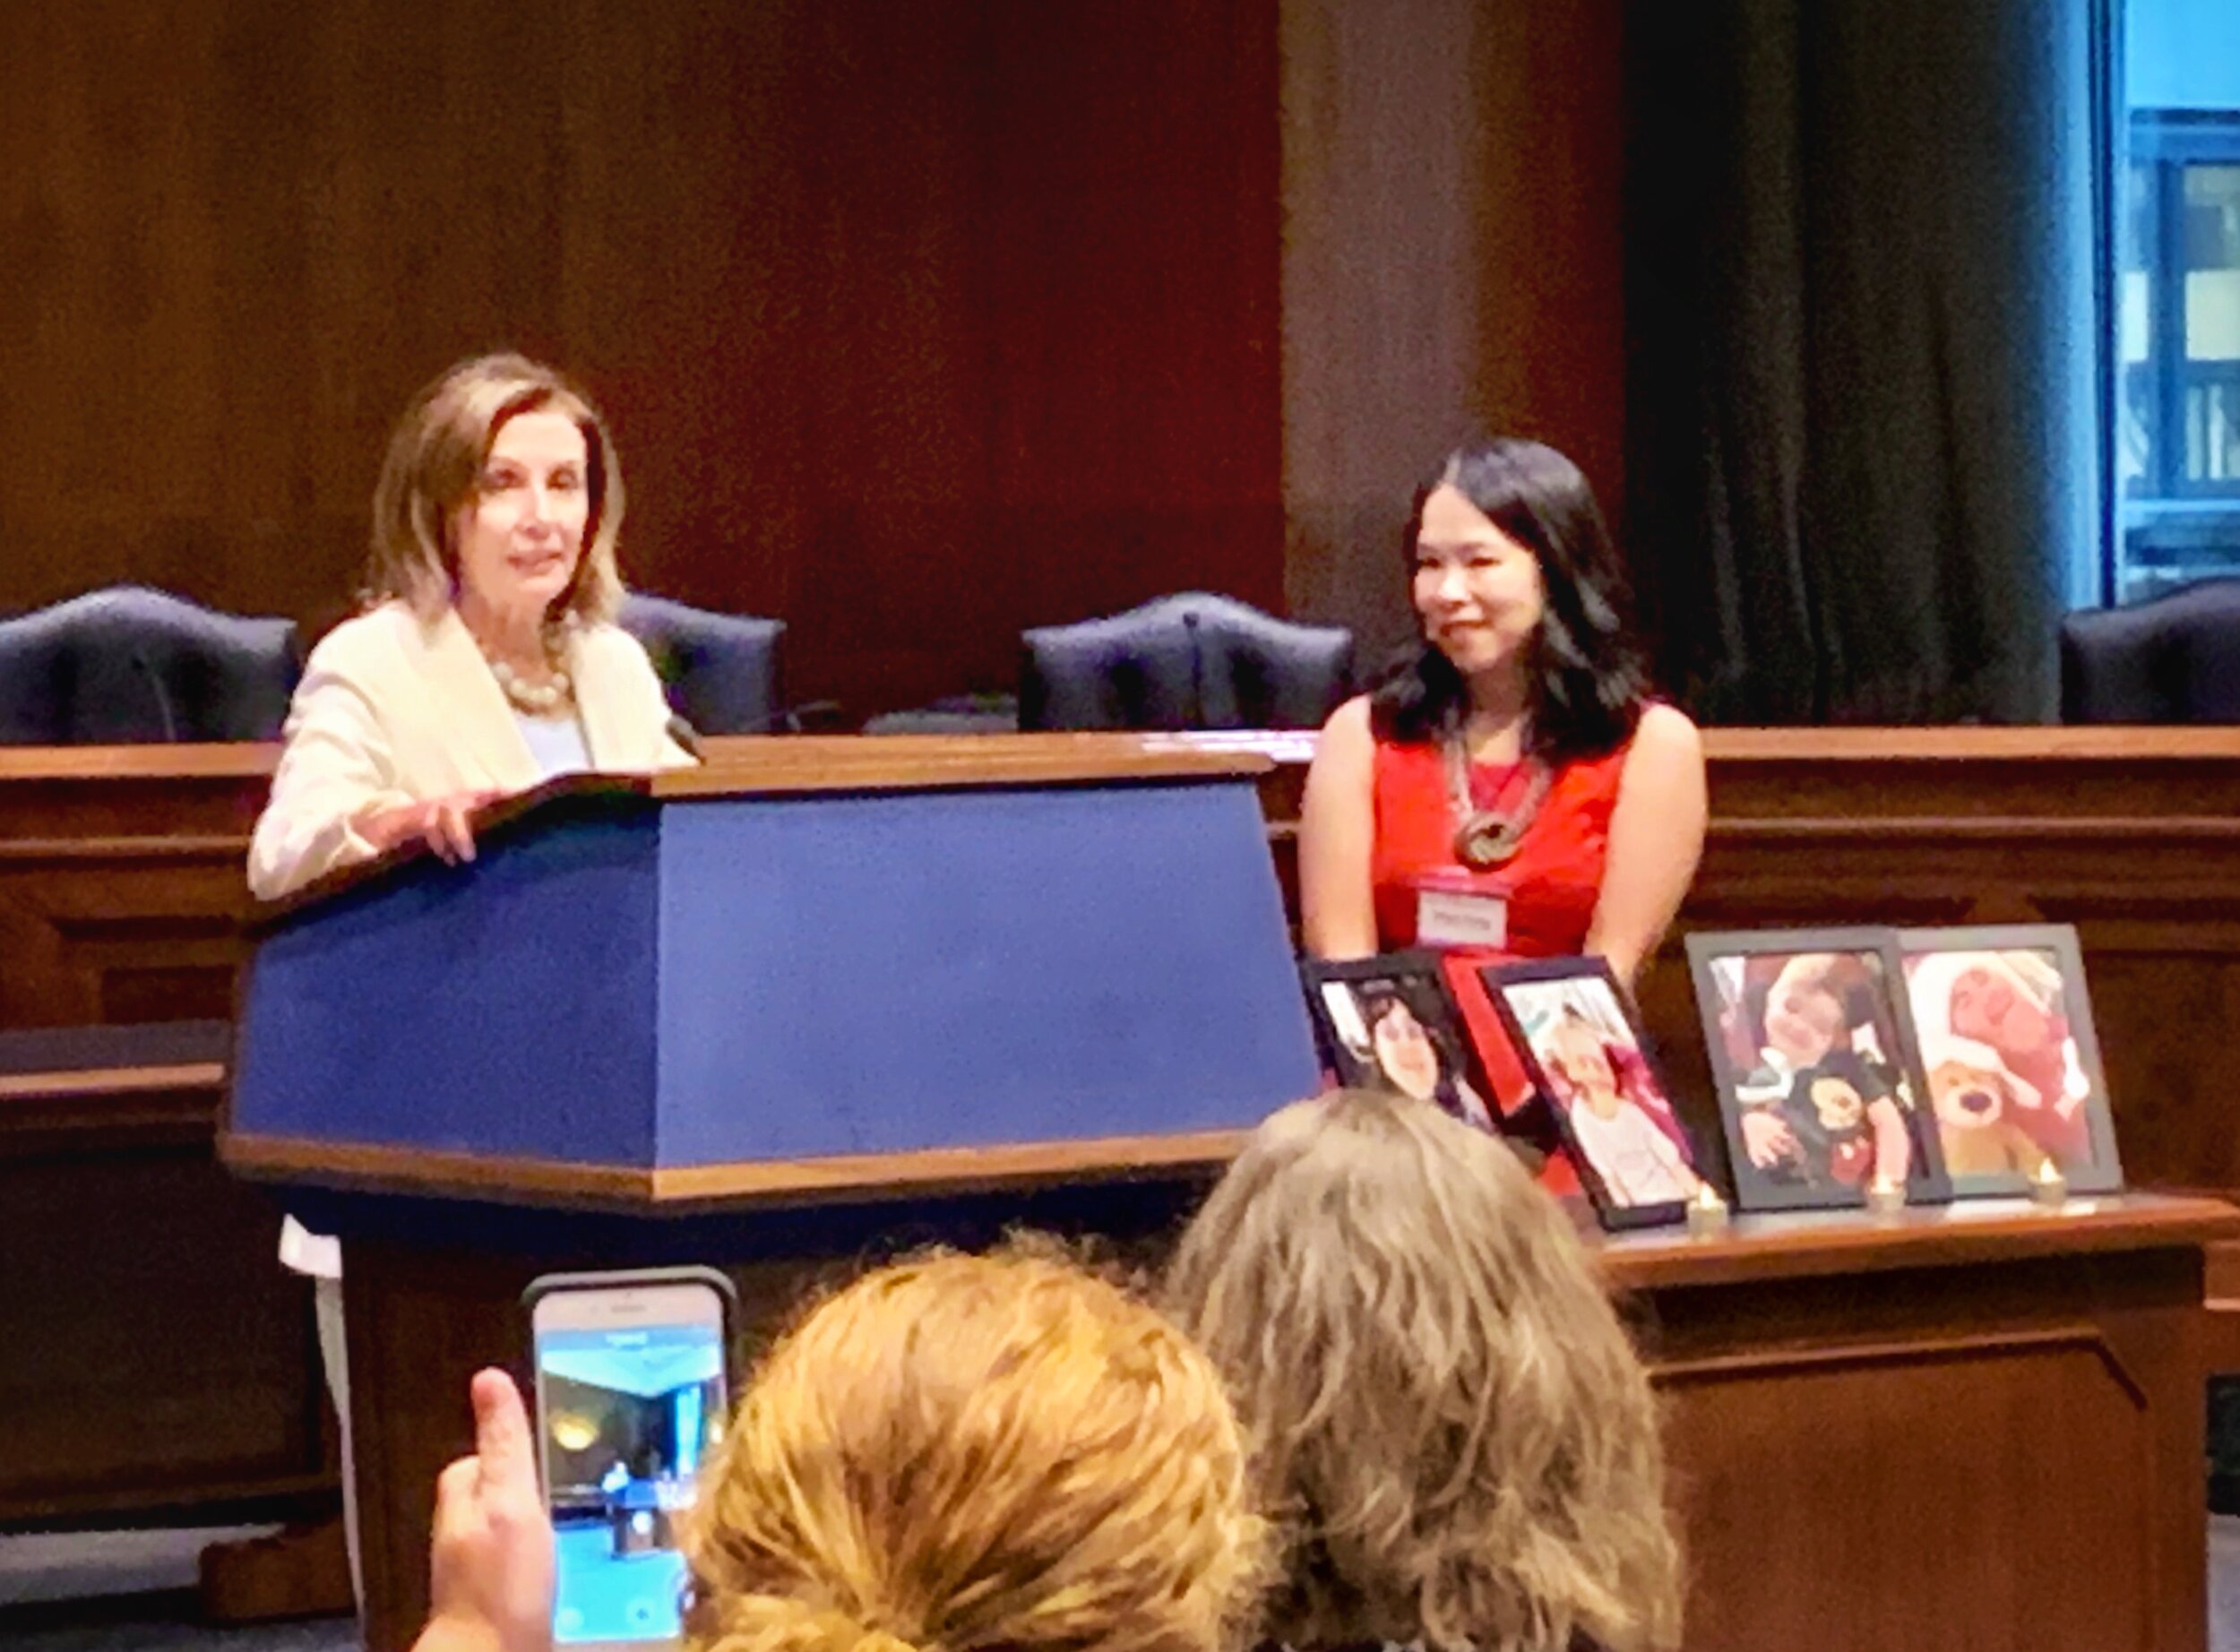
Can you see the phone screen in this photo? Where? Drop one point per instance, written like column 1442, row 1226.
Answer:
column 630, row 1400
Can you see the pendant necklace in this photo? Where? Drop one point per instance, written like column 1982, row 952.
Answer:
column 1484, row 838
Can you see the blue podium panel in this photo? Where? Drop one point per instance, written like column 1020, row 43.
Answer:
column 506, row 1007
column 882, row 973
column 623, row 986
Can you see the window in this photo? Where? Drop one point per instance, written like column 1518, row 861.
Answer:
column 2176, row 297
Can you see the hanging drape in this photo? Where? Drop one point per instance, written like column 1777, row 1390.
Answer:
column 1862, row 416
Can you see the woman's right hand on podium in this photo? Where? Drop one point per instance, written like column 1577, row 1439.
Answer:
column 491, row 1559
column 443, row 823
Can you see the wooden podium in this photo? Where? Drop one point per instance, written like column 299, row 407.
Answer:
column 784, row 1016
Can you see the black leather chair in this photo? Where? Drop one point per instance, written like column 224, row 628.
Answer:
column 127, row 666
column 1188, row 661
column 2173, row 660
column 720, row 669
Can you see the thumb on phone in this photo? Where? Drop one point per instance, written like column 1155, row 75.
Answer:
column 507, row 1464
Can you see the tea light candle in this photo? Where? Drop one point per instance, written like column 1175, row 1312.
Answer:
column 1706, row 1211
column 1885, row 1197
column 2049, row 1186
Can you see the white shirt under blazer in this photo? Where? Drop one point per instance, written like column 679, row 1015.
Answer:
column 392, row 710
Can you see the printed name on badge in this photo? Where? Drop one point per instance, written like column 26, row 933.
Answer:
column 1454, row 918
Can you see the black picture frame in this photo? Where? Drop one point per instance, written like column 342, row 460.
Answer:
column 1988, row 1078
column 1342, row 998
column 1535, row 1000
column 1807, row 1030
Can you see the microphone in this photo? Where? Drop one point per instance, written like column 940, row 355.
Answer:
column 162, row 695
column 793, row 719
column 685, row 735
column 1194, row 718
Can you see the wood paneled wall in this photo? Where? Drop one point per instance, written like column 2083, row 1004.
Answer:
column 919, row 322
column 1453, row 174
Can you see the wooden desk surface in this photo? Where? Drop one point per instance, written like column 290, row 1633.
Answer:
column 2048, row 753
column 109, row 1089
column 1817, row 1244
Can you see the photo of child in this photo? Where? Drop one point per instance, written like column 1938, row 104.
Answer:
column 1587, row 1057
column 1595, row 1072
column 1391, row 1025
column 2012, row 1062
column 1811, row 1055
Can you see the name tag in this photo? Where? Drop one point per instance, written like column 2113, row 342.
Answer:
column 1459, row 918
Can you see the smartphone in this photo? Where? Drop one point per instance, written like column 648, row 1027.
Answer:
column 633, row 1392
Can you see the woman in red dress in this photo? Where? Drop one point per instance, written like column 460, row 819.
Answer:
column 1511, row 789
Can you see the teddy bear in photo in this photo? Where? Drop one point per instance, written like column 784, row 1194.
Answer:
column 1975, row 1098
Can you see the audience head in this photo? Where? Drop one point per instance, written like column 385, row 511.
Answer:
column 963, row 1452
column 1521, row 556
column 1448, row 1424
column 433, row 479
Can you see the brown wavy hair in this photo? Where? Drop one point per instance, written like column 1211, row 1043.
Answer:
column 435, row 464
column 963, row 1451
column 1449, row 1425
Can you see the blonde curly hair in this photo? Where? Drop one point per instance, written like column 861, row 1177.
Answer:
column 1449, row 1425
column 976, row 1451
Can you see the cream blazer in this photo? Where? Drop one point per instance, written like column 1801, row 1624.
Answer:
column 392, row 710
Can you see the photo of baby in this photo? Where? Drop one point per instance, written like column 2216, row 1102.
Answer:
column 2008, row 1048
column 1388, row 1024
column 1586, row 1055
column 1810, row 1054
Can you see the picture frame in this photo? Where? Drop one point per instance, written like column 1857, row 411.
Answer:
column 2003, row 1020
column 1585, row 1052
column 1818, row 1074
column 1389, row 1023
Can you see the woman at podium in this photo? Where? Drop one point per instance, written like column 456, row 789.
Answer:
column 1511, row 789
column 487, row 660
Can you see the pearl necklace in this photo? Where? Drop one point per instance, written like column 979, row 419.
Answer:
column 534, row 698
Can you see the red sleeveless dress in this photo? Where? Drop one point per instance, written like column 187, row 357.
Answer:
column 1551, row 885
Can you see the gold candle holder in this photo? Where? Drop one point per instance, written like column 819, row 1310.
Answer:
column 1885, row 1197
column 2049, row 1187
column 1706, row 1211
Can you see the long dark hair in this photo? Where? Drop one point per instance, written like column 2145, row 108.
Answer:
column 1588, row 677
column 1377, row 1000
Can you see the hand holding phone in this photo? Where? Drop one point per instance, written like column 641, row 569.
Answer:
column 631, row 1395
